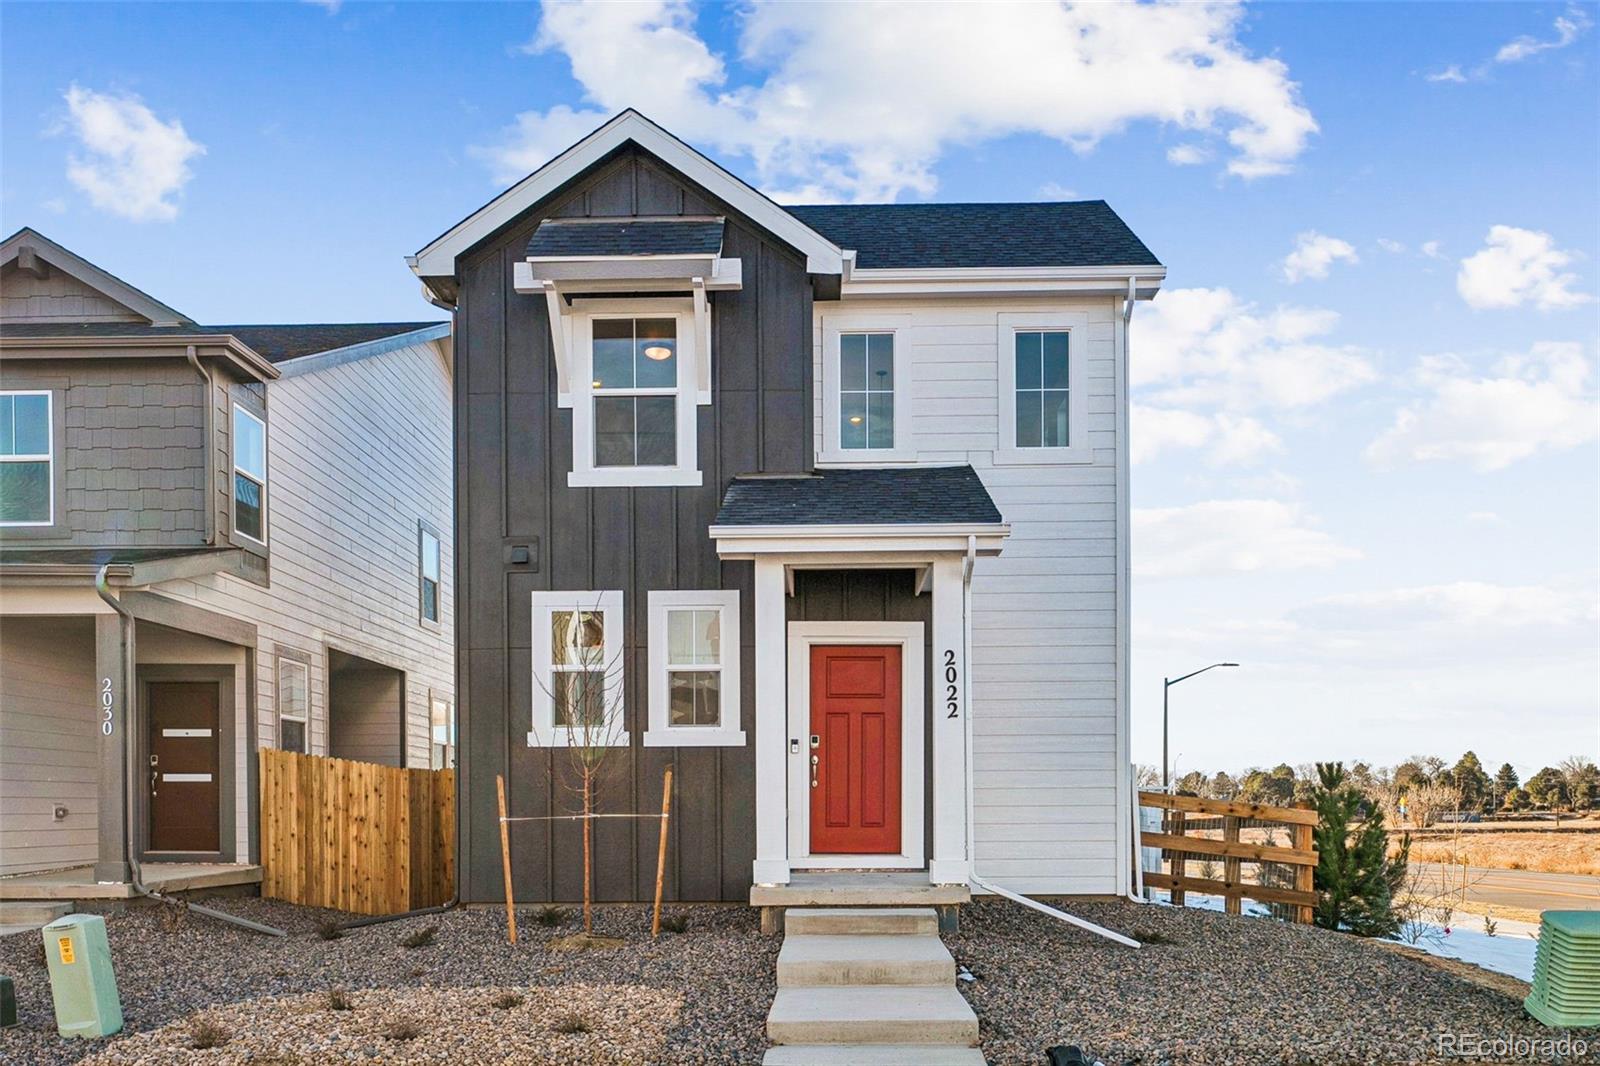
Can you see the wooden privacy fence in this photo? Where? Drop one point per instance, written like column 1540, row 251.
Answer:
column 1188, row 814
column 356, row 836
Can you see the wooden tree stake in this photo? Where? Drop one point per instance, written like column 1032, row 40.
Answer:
column 505, row 859
column 661, row 852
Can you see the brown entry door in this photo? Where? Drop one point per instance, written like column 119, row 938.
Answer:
column 855, row 768
column 184, row 793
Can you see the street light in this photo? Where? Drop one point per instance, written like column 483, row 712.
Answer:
column 1166, row 684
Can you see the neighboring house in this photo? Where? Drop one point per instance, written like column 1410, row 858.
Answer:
column 270, row 506
column 737, row 462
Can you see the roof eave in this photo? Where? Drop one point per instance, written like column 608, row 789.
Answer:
column 223, row 345
column 904, row 538
column 1004, row 281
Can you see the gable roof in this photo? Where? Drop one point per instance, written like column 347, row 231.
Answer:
column 136, row 300
column 437, row 258
column 587, row 238
column 928, row 495
column 276, row 344
column 1084, row 233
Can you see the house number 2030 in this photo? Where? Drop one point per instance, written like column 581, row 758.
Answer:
column 952, row 689
column 107, row 706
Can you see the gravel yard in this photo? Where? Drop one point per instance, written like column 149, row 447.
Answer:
column 1206, row 988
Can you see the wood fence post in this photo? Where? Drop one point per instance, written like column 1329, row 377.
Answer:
column 1233, row 900
column 505, row 859
column 661, row 852
column 1305, row 877
column 1177, row 861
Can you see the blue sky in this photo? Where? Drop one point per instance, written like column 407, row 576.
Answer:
column 1366, row 403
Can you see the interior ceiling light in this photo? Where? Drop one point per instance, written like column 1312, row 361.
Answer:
column 855, row 420
column 658, row 352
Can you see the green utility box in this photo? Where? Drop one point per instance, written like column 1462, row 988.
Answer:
column 1566, row 971
column 81, row 981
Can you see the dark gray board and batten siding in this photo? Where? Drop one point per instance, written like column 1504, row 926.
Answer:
column 514, row 450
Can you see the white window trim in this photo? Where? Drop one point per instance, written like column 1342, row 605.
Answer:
column 303, row 719
column 544, row 733
column 266, row 476
column 48, row 457
column 661, row 733
column 686, row 471
column 1076, row 325
column 904, row 450
column 424, row 531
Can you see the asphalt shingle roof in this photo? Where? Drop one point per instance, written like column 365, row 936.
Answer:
column 273, row 343
column 944, row 494
column 632, row 236
column 1081, row 233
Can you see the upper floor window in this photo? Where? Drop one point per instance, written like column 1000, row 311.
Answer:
column 26, row 463
column 635, row 395
column 249, row 475
column 866, row 416
column 577, row 669
column 428, row 570
column 1043, row 380
column 694, row 669
column 294, row 703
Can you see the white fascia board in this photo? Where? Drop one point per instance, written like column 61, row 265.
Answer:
column 745, row 542
column 438, row 258
column 1003, row 281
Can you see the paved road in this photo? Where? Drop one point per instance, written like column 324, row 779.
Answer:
column 1528, row 889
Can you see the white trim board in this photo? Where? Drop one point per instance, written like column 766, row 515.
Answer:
column 913, row 727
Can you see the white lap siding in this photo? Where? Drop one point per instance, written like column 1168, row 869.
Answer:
column 1044, row 627
column 357, row 454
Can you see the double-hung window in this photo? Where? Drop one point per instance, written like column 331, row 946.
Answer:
column 694, row 669
column 866, row 416
column 1043, row 388
column 249, row 475
column 635, row 398
column 578, row 640
column 27, row 466
column 441, row 734
column 428, row 574
column 294, row 702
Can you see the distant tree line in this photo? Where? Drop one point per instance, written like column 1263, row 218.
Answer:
column 1422, row 787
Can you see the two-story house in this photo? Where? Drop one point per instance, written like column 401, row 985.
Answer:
column 825, row 506
column 212, row 538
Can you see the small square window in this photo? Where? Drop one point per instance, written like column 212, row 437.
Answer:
column 577, row 669
column 694, row 669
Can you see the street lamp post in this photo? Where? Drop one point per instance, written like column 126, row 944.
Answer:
column 1166, row 685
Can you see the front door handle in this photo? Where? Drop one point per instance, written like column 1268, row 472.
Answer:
column 814, row 760
column 153, row 776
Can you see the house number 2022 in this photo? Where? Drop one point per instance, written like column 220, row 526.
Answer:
column 107, row 707
column 952, row 699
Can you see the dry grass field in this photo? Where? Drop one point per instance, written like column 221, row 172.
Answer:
column 1548, row 851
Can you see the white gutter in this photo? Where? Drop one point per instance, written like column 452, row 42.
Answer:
column 966, row 698
column 1124, row 577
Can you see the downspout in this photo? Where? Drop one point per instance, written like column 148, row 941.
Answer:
column 1136, row 888
column 125, row 620
column 973, row 879
column 206, row 419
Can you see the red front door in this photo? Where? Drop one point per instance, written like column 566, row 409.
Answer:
column 855, row 783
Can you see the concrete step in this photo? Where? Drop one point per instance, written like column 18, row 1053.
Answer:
column 855, row 1014
column 811, row 960
column 872, row 1055
column 32, row 913
column 871, row 920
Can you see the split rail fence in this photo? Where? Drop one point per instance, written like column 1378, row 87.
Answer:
column 356, row 836
column 1186, row 815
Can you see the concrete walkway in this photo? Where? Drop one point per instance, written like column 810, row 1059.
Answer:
column 868, row 986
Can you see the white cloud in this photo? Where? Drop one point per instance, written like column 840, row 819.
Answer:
column 1188, row 155
column 1054, row 190
column 331, row 6
column 1459, row 604
column 1313, row 254
column 1230, row 536
column 1452, row 73
column 1206, row 346
column 860, row 105
column 1431, row 249
column 1516, row 267
column 1485, row 518
column 1393, row 247
column 132, row 164
column 1230, row 440
column 1534, row 402
column 1569, row 27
